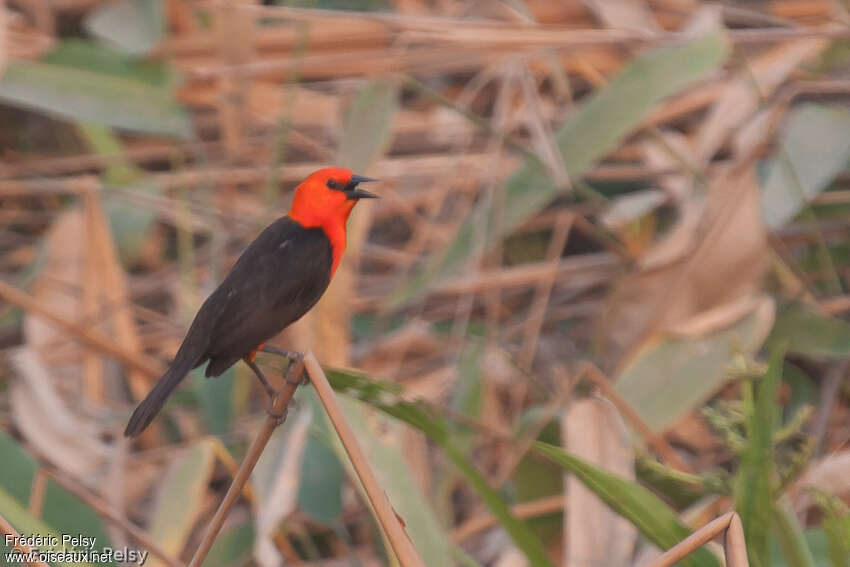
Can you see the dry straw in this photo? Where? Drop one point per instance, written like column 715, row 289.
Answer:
column 390, row 522
column 8, row 530
column 736, row 549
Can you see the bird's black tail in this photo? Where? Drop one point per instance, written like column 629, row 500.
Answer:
column 190, row 355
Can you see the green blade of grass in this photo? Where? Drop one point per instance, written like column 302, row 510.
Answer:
column 752, row 491
column 319, row 494
column 836, row 526
column 129, row 224
column 62, row 512
column 648, row 513
column 215, row 398
column 77, row 94
column 383, row 397
column 814, row 149
column 790, row 537
column 180, row 498
column 594, row 130
column 26, row 524
column 810, row 333
column 397, row 479
column 232, row 547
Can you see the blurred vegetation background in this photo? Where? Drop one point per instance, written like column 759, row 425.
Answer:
column 602, row 301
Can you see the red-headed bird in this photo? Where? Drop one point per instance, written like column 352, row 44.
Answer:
column 278, row 278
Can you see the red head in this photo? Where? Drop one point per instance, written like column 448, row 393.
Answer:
column 325, row 200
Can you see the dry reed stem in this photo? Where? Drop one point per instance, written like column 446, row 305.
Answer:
column 93, row 379
column 8, row 530
column 390, row 522
column 658, row 442
column 38, row 490
column 523, row 511
column 88, row 337
column 543, row 290
column 281, row 401
column 736, row 546
column 107, row 511
column 487, row 32
column 114, row 289
column 736, row 551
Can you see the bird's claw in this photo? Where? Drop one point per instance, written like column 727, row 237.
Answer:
column 292, row 355
column 300, row 380
column 280, row 416
column 295, row 373
column 295, row 361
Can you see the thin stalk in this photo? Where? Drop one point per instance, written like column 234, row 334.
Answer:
column 293, row 373
column 9, row 531
column 701, row 537
column 395, row 532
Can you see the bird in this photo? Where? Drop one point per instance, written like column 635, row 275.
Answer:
column 276, row 280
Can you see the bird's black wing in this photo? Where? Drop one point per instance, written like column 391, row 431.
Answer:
column 278, row 278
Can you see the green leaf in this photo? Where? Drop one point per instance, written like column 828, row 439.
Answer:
column 77, row 94
column 687, row 370
column 810, row 333
column 396, row 478
column 232, row 547
column 322, row 474
column 535, row 478
column 804, row 392
column 368, row 125
column 68, row 514
column 523, row 537
column 467, row 398
column 587, row 136
column 814, row 540
column 463, row 558
column 90, row 56
column 649, row 514
column 753, row 486
column 813, row 149
column 319, row 494
column 25, row 523
column 384, row 397
column 836, row 525
column 790, row 537
column 216, row 398
column 679, row 488
column 181, row 496
column 134, row 26
column 838, row 537
column 62, row 511
column 17, row 470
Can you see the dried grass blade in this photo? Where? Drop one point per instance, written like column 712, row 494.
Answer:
column 390, row 522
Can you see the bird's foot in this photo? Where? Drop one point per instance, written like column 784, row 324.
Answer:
column 292, row 355
column 279, row 416
column 295, row 374
column 295, row 371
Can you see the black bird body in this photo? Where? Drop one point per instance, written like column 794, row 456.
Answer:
column 276, row 280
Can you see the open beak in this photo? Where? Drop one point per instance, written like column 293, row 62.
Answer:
column 355, row 193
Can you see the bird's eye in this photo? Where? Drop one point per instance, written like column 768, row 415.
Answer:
column 332, row 184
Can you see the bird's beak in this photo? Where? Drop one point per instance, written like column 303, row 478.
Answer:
column 355, row 193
